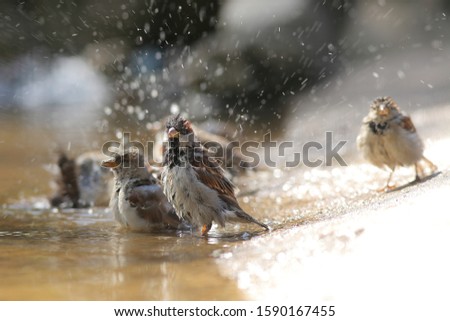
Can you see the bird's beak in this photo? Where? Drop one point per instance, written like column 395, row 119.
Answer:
column 110, row 163
column 383, row 111
column 173, row 133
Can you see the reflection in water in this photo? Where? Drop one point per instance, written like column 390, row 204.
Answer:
column 80, row 256
column 83, row 254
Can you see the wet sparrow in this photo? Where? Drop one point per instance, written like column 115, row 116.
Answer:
column 212, row 136
column 138, row 201
column 195, row 183
column 67, row 193
column 82, row 182
column 95, row 182
column 388, row 138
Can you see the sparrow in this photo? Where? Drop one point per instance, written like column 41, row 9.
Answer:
column 211, row 135
column 95, row 182
column 82, row 182
column 67, row 194
column 194, row 182
column 138, row 201
column 388, row 138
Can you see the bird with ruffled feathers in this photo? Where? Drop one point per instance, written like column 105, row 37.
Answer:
column 388, row 138
column 138, row 201
column 195, row 184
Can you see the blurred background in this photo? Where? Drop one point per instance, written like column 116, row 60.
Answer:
column 75, row 74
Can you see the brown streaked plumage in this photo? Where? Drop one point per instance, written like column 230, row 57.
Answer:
column 407, row 124
column 388, row 138
column 195, row 183
column 217, row 143
column 138, row 201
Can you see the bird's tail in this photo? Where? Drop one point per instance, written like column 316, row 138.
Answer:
column 422, row 170
column 244, row 217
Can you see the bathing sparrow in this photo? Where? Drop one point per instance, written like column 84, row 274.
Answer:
column 138, row 201
column 388, row 138
column 195, row 183
column 67, row 193
column 82, row 182
column 212, row 136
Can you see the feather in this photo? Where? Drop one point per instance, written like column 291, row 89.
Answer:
column 407, row 124
column 212, row 175
column 195, row 183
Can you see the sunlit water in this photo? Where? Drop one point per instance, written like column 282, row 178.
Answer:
column 79, row 255
column 84, row 255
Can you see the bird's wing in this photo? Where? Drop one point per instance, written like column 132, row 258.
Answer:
column 151, row 204
column 144, row 195
column 212, row 175
column 213, row 178
column 407, row 124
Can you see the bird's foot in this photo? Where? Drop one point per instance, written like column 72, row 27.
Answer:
column 387, row 188
column 206, row 228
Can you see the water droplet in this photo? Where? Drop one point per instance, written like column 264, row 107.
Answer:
column 219, row 71
column 139, row 40
column 174, row 109
column 277, row 173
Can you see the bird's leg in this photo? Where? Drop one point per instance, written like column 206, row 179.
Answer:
column 387, row 188
column 206, row 228
column 419, row 171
